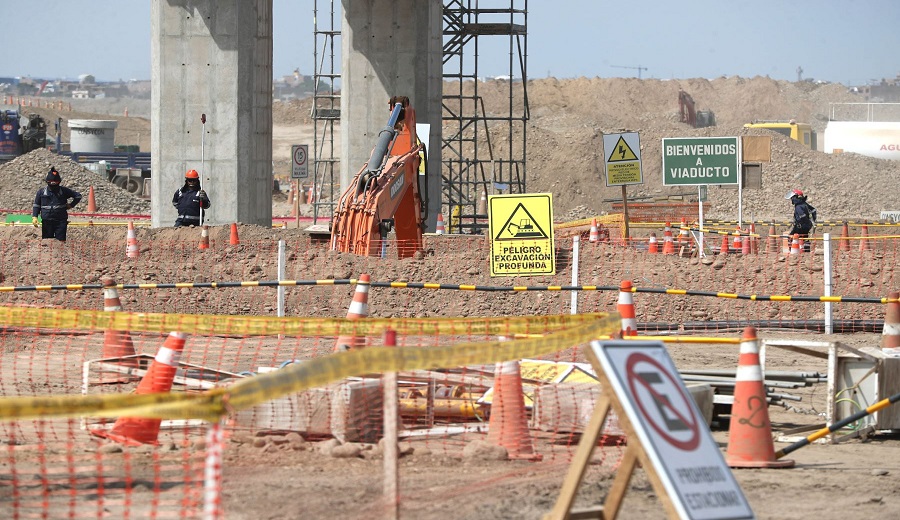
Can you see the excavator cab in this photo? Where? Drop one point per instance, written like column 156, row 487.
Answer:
column 384, row 196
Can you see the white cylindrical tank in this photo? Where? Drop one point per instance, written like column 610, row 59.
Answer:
column 881, row 140
column 92, row 135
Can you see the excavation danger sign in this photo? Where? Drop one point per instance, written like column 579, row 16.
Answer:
column 671, row 431
column 623, row 159
column 521, row 230
column 700, row 160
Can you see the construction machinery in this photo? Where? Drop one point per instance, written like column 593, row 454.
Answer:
column 692, row 116
column 800, row 132
column 20, row 134
column 384, row 196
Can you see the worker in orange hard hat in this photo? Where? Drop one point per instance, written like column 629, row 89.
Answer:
column 804, row 216
column 189, row 200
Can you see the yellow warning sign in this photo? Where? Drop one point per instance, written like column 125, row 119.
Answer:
column 623, row 159
column 521, row 231
column 621, row 152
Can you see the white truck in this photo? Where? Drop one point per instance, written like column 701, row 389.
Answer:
column 871, row 129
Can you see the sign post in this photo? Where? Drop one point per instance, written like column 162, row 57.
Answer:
column 300, row 161
column 623, row 164
column 666, row 435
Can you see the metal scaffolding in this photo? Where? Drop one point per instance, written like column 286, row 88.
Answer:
column 483, row 141
column 326, row 112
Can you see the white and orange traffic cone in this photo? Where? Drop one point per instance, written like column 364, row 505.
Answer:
column 736, row 243
column 625, row 306
column 359, row 308
column 668, row 240
column 233, row 239
column 483, row 203
column 795, row 244
column 204, row 238
column 439, row 225
column 158, row 380
column 653, row 245
column 745, row 245
column 683, row 239
column 750, row 432
column 594, row 235
column 311, row 196
column 508, row 424
column 772, row 240
column 845, row 235
column 864, row 244
column 890, row 333
column 754, row 240
column 116, row 343
column 131, row 244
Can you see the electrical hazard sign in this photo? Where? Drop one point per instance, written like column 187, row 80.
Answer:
column 623, row 159
column 521, row 230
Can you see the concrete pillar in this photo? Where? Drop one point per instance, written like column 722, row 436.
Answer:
column 212, row 57
column 390, row 48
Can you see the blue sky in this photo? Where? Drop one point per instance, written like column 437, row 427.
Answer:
column 846, row 41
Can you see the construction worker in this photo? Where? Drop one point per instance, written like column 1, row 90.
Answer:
column 804, row 217
column 189, row 200
column 52, row 203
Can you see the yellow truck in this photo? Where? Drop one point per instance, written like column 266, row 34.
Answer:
column 800, row 132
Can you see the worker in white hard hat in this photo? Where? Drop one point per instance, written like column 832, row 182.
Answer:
column 804, row 216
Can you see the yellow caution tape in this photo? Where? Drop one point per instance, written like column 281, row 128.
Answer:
column 245, row 393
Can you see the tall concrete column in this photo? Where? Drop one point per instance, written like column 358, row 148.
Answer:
column 391, row 48
column 212, row 57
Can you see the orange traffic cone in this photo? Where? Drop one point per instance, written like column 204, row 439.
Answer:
column 724, row 249
column 890, row 334
column 786, row 245
column 92, row 203
column 653, row 245
column 668, row 240
column 131, row 244
column 439, row 226
column 311, row 196
column 204, row 238
column 508, row 424
column 845, row 235
column 595, row 233
column 745, row 245
column 864, row 244
column 234, row 240
column 736, row 244
column 772, row 240
column 795, row 244
column 116, row 343
column 157, row 380
column 750, row 432
column 359, row 308
column 625, row 306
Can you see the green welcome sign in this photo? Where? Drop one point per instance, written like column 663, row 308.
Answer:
column 688, row 161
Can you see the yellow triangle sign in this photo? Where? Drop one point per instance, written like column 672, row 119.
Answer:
column 621, row 152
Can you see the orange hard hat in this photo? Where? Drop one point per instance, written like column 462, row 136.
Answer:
column 192, row 174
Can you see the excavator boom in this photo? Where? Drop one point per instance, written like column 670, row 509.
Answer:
column 384, row 195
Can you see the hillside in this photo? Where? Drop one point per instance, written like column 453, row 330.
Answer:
column 568, row 118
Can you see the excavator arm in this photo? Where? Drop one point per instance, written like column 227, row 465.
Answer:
column 384, row 195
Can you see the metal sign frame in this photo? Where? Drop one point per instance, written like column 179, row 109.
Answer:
column 666, row 436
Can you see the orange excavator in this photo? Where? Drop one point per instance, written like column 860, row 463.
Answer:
column 384, row 196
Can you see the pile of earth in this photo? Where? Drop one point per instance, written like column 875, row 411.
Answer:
column 568, row 118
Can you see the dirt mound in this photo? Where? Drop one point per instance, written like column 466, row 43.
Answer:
column 22, row 177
